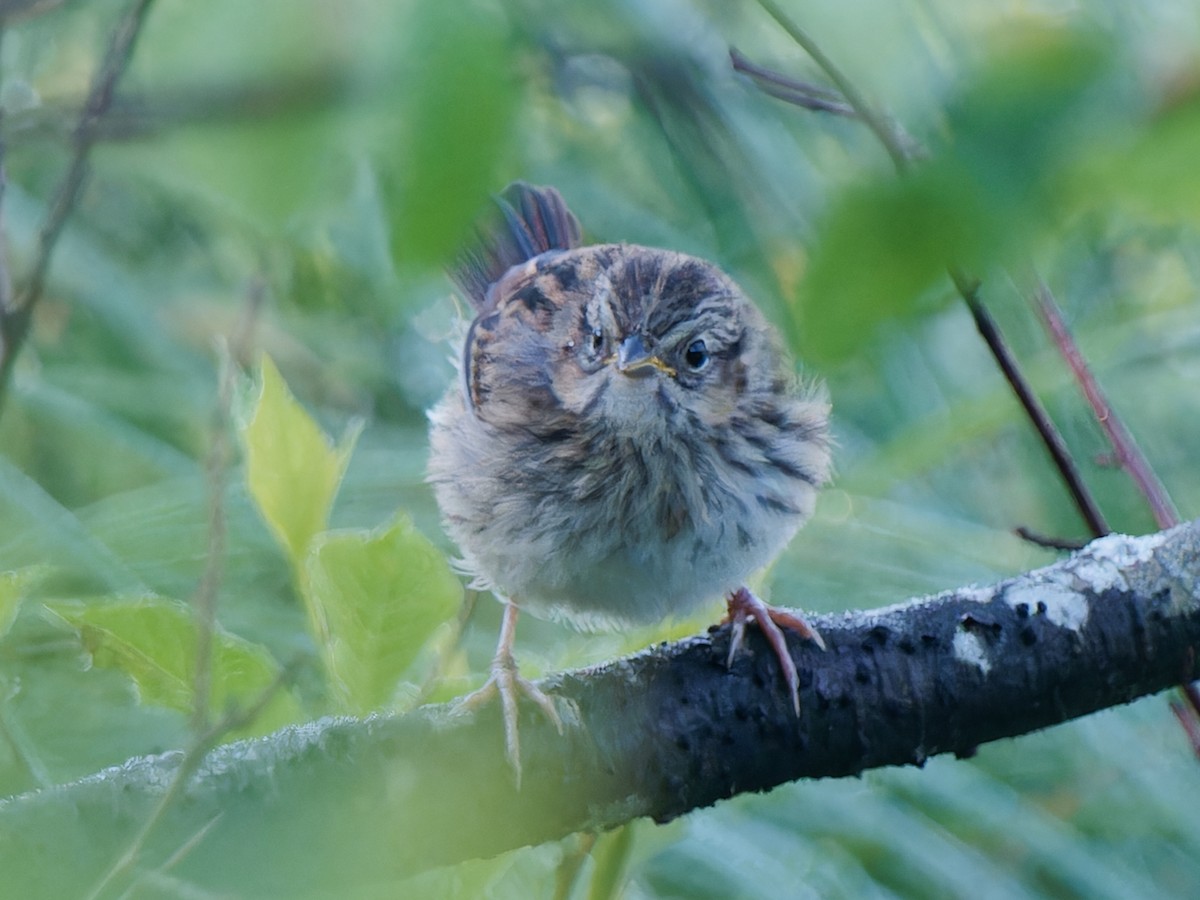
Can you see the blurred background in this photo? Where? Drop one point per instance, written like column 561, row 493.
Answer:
column 294, row 175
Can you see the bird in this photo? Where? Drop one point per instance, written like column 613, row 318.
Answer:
column 626, row 441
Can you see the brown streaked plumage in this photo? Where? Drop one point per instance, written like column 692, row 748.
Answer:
column 628, row 440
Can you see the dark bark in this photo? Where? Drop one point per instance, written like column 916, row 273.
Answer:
column 343, row 802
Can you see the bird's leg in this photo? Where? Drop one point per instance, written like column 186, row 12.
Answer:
column 506, row 681
column 771, row 620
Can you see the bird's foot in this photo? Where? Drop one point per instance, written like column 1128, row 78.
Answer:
column 506, row 682
column 743, row 605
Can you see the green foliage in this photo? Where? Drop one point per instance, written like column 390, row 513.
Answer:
column 1146, row 173
column 987, row 195
column 381, row 595
column 882, row 246
column 153, row 641
column 13, row 588
column 373, row 598
column 292, row 469
column 263, row 171
column 456, row 132
column 327, row 157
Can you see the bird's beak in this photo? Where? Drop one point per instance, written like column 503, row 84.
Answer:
column 633, row 355
column 633, row 358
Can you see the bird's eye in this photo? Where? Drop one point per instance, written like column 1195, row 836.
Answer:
column 597, row 340
column 696, row 356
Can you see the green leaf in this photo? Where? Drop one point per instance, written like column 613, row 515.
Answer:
column 41, row 529
column 1155, row 174
column 292, row 469
column 14, row 586
column 381, row 594
column 456, row 130
column 881, row 247
column 153, row 641
column 1022, row 116
column 984, row 198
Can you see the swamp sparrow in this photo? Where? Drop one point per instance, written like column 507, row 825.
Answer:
column 627, row 439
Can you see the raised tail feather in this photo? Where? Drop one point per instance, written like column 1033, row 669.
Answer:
column 532, row 220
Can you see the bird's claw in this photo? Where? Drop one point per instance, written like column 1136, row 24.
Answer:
column 744, row 605
column 506, row 682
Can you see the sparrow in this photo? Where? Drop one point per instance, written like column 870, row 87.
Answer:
column 626, row 441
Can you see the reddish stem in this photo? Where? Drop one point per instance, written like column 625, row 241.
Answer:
column 1190, row 724
column 1125, row 448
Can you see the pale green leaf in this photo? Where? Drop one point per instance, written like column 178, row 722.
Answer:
column 381, row 594
column 292, row 469
column 153, row 641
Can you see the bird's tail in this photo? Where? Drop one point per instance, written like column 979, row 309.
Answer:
column 531, row 221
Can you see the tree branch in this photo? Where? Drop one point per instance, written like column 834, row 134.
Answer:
column 344, row 802
column 884, row 131
column 791, row 90
column 15, row 320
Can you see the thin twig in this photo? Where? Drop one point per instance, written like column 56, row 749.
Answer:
column 791, row 90
column 139, row 116
column 5, row 276
column 189, row 845
column 233, row 720
column 1126, row 451
column 204, row 602
column 129, row 858
column 1050, row 543
column 1186, row 716
column 1164, row 510
column 968, row 288
column 1053, row 440
column 220, row 455
column 567, row 873
column 6, row 286
column 14, row 322
column 884, row 130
